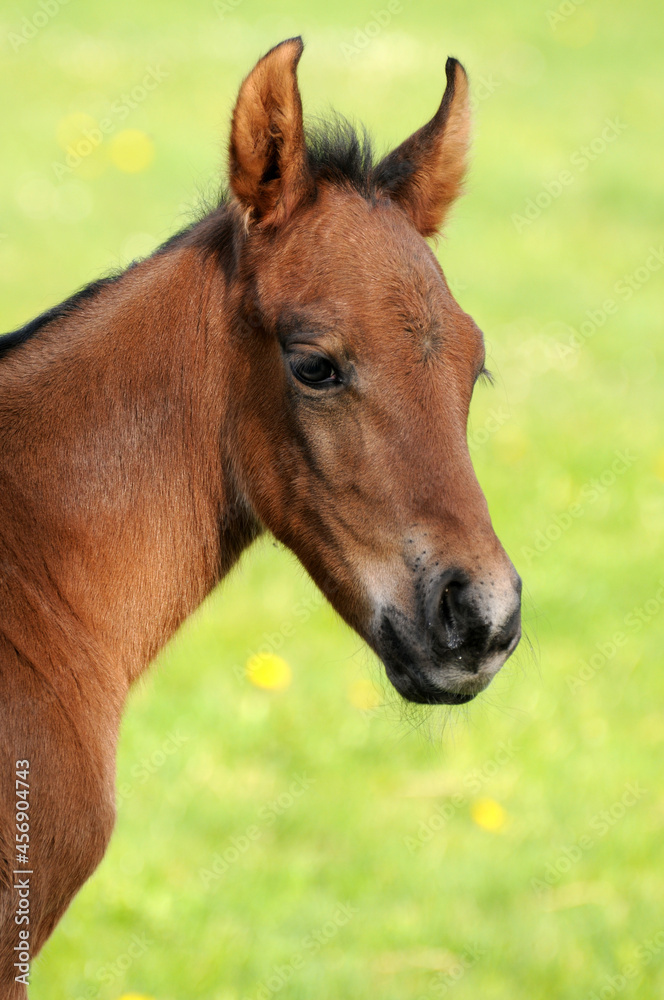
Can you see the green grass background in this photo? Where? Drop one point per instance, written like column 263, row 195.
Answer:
column 435, row 831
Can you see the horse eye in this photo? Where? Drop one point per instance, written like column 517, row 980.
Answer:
column 314, row 370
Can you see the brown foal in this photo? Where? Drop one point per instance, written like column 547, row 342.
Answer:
column 293, row 362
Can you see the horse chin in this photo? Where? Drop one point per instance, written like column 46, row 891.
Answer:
column 414, row 685
column 425, row 669
column 423, row 693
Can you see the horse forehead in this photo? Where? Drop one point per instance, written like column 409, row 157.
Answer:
column 373, row 253
column 362, row 266
column 376, row 239
column 402, row 296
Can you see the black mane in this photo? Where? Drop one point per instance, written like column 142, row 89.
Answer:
column 69, row 305
column 337, row 152
column 75, row 301
column 341, row 154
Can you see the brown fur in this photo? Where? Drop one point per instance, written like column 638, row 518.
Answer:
column 437, row 156
column 151, row 432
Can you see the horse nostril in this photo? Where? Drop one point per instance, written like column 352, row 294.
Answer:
column 452, row 615
column 508, row 638
column 469, row 624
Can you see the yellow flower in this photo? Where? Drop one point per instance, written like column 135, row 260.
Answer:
column 269, row 671
column 362, row 694
column 488, row 814
column 132, row 150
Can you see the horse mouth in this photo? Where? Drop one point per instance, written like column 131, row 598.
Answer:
column 429, row 676
column 412, row 684
column 430, row 695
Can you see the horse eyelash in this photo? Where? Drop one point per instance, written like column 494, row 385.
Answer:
column 486, row 376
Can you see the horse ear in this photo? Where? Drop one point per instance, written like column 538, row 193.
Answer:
column 269, row 172
column 425, row 173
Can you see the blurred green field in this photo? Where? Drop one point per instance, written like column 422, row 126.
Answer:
column 319, row 840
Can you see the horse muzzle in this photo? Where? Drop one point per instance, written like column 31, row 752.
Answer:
column 461, row 634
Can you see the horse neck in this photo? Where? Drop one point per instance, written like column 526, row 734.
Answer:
column 123, row 509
